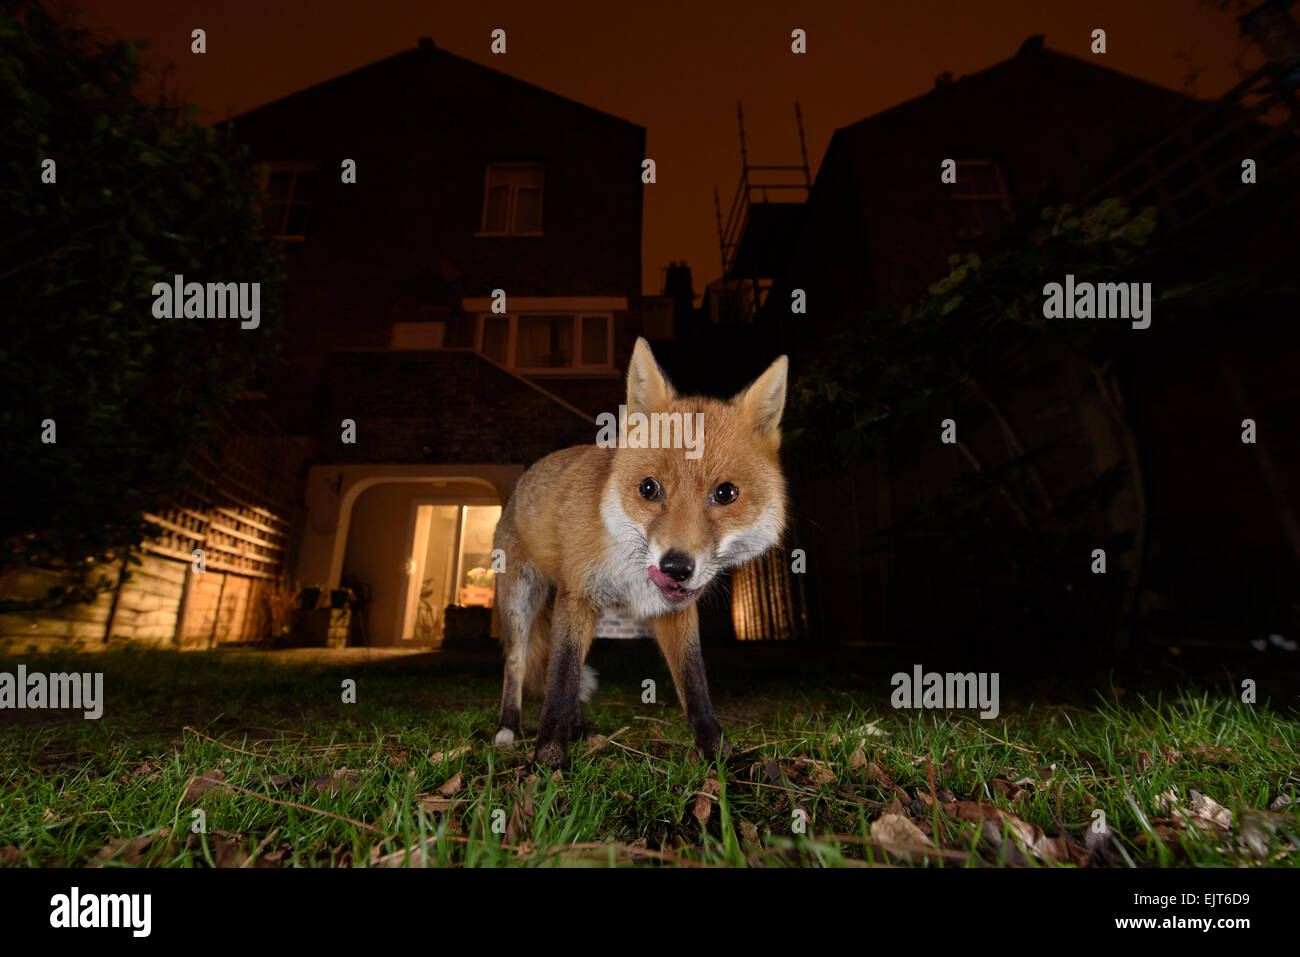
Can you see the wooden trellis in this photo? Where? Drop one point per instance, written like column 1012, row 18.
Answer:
column 240, row 511
column 767, row 599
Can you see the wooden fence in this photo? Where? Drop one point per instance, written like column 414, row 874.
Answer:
column 238, row 511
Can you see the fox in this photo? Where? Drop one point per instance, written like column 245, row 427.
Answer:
column 642, row 530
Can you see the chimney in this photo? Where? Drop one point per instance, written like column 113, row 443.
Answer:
column 677, row 286
column 426, row 43
column 1032, row 44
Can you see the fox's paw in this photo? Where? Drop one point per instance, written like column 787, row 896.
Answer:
column 709, row 740
column 553, row 754
column 507, row 737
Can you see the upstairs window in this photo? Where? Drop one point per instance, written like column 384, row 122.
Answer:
column 288, row 192
column 512, row 200
column 980, row 198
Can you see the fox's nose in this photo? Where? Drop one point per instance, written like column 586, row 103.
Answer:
column 677, row 565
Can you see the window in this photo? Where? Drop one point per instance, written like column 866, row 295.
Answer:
column 980, row 198
column 548, row 342
column 512, row 200
column 496, row 338
column 288, row 192
column 544, row 342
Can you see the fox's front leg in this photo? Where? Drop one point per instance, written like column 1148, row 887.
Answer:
column 678, row 635
column 572, row 628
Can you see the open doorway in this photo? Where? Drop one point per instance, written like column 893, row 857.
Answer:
column 450, row 564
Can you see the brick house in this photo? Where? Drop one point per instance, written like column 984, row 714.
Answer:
column 419, row 402
column 877, row 227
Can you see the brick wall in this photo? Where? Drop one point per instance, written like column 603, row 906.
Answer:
column 440, row 408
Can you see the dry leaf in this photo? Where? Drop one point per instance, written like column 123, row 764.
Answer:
column 1006, row 788
column 749, row 832
column 128, row 850
column 201, row 784
column 899, row 836
column 819, row 772
column 439, row 756
column 1202, row 811
column 1216, row 754
column 10, row 856
column 414, row 856
column 515, row 826
column 870, row 730
column 705, row 796
column 432, row 804
column 451, row 785
column 1161, row 831
column 1031, row 836
column 341, row 780
column 227, row 849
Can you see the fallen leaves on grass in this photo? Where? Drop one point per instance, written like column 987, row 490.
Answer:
column 226, row 849
column 704, row 798
column 145, row 769
column 342, row 779
column 201, row 784
column 131, row 851
column 900, row 837
column 435, row 803
column 440, row 756
column 1216, row 754
column 451, row 785
column 994, row 822
column 1201, row 811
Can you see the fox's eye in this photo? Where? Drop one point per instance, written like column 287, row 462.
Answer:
column 726, row 493
column 649, row 489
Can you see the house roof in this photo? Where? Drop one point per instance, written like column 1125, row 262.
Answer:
column 401, row 65
column 1033, row 61
column 1036, row 83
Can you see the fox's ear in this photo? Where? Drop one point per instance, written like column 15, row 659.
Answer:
column 648, row 390
column 763, row 402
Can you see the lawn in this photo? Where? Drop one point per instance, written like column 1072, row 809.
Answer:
column 249, row 759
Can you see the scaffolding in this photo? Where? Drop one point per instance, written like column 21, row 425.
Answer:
column 761, row 221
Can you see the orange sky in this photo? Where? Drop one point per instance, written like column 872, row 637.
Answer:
column 676, row 68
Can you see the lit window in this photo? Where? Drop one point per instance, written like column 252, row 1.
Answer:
column 980, row 198
column 512, row 199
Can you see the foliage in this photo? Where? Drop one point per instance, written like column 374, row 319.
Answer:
column 142, row 193
column 978, row 334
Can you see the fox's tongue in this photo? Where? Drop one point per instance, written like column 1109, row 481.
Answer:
column 662, row 580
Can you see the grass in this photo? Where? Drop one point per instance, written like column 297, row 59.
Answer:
column 822, row 772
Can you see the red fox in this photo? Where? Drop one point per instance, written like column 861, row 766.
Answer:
column 640, row 529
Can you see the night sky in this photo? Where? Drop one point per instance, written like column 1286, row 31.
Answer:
column 677, row 68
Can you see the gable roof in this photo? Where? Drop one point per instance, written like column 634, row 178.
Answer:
column 1043, row 68
column 398, row 70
